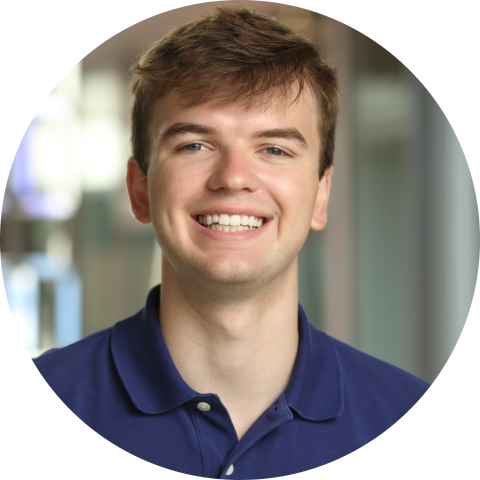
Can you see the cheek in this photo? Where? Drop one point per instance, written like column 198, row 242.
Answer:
column 175, row 182
column 295, row 192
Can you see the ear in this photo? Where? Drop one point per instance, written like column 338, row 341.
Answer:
column 319, row 219
column 137, row 185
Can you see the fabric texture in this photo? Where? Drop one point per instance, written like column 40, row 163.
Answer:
column 123, row 383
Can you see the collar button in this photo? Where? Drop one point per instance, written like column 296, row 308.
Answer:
column 203, row 406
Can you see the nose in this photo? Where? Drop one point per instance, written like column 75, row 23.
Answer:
column 234, row 170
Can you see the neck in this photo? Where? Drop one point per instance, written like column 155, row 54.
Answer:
column 244, row 349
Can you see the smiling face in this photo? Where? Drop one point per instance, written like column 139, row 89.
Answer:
column 231, row 192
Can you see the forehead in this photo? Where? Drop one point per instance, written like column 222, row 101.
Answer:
column 299, row 111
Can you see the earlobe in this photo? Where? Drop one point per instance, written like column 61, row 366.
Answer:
column 137, row 185
column 319, row 219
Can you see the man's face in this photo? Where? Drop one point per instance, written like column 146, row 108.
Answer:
column 213, row 165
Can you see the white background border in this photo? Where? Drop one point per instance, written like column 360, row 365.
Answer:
column 41, row 41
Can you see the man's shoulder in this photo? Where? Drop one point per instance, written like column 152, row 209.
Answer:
column 372, row 380
column 85, row 377
column 78, row 359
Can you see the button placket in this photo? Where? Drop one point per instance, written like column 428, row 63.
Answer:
column 272, row 418
column 215, row 432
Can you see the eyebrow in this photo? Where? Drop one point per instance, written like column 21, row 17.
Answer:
column 178, row 128
column 286, row 133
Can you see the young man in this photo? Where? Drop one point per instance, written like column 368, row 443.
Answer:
column 221, row 375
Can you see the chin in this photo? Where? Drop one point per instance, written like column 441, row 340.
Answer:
column 228, row 276
column 237, row 274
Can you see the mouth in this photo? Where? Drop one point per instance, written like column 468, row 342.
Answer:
column 230, row 223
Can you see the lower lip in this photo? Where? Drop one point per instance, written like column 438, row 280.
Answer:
column 228, row 236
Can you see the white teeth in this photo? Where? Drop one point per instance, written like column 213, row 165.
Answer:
column 235, row 220
column 230, row 223
column 223, row 219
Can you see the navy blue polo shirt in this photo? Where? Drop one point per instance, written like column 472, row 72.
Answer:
column 123, row 383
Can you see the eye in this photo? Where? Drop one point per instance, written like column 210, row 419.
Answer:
column 193, row 147
column 275, row 151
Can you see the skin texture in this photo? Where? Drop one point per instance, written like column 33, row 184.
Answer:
column 229, row 300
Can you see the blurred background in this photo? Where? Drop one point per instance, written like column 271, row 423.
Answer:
column 393, row 274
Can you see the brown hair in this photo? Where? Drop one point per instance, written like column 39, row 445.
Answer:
column 232, row 55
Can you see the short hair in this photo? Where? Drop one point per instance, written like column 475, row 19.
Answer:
column 232, row 55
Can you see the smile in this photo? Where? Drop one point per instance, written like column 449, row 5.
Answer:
column 230, row 223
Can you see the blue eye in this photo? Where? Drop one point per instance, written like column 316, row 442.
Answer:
column 193, row 147
column 274, row 151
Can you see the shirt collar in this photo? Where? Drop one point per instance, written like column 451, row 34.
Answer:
column 154, row 384
column 316, row 389
column 144, row 362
